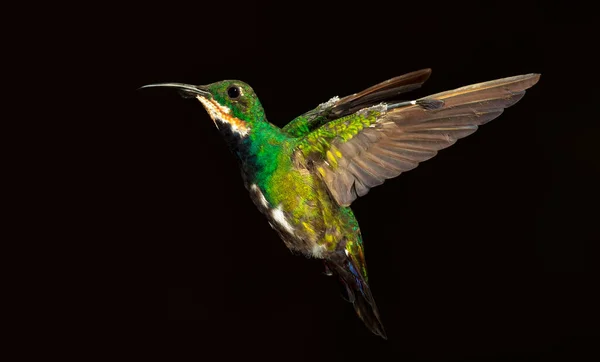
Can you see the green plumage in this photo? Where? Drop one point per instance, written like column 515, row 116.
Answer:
column 303, row 177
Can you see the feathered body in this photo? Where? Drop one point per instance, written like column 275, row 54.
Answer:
column 300, row 209
column 303, row 177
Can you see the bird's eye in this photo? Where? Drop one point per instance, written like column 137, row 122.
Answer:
column 233, row 92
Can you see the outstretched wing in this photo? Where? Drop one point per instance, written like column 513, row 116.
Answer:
column 336, row 108
column 359, row 151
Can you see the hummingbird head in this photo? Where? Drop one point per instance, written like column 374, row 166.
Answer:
column 232, row 104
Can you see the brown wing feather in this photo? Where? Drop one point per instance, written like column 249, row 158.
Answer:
column 335, row 109
column 403, row 137
column 379, row 92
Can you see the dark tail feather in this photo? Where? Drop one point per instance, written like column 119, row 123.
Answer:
column 359, row 294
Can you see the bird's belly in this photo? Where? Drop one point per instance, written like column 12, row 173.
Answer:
column 301, row 229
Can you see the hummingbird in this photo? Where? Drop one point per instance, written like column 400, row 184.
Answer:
column 304, row 177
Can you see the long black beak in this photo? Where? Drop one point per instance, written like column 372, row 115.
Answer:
column 186, row 90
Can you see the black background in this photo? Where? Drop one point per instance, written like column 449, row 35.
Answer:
column 480, row 254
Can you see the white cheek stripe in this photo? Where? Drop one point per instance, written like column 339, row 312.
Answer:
column 222, row 114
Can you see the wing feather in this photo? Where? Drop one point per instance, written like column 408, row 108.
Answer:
column 381, row 143
column 379, row 92
column 337, row 108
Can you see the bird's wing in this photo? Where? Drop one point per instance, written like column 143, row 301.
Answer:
column 357, row 152
column 336, row 107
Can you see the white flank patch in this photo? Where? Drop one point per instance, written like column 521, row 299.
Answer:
column 381, row 108
column 329, row 103
column 222, row 114
column 318, row 250
column 261, row 197
column 279, row 217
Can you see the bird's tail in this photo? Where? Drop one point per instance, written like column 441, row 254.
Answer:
column 358, row 291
